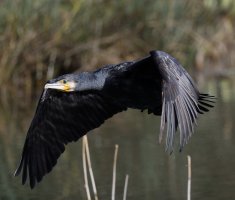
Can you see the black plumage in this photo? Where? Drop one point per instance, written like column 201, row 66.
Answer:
column 73, row 104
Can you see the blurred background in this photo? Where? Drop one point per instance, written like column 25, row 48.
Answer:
column 45, row 38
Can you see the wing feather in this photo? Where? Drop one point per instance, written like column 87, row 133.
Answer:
column 181, row 100
column 60, row 118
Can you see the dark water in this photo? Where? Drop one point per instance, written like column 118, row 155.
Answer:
column 153, row 173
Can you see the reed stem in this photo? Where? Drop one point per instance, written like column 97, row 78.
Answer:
column 114, row 172
column 125, row 187
column 90, row 167
column 85, row 169
column 189, row 178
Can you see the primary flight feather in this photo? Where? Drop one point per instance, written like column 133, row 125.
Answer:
column 73, row 104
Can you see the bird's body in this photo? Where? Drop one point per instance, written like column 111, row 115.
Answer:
column 138, row 88
column 73, row 104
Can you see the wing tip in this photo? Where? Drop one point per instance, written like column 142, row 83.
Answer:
column 32, row 184
column 17, row 172
column 19, row 168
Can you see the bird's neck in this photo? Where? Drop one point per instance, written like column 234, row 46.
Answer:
column 91, row 81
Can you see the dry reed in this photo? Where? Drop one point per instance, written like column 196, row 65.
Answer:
column 87, row 166
column 189, row 178
column 114, row 172
column 88, row 160
column 85, row 170
column 125, row 187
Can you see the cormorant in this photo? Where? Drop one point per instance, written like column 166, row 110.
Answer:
column 73, row 104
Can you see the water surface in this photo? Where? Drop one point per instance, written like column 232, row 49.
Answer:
column 153, row 173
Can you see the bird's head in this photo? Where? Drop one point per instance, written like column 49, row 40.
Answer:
column 65, row 83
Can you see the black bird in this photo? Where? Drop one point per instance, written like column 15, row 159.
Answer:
column 73, row 104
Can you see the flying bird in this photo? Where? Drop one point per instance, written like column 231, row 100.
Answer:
column 73, row 104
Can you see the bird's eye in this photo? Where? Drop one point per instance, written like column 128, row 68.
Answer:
column 64, row 81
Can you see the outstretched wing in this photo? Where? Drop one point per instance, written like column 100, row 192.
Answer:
column 61, row 118
column 181, row 100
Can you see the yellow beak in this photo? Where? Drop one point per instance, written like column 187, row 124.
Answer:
column 67, row 87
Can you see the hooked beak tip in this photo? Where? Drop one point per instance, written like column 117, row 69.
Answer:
column 54, row 86
column 58, row 86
